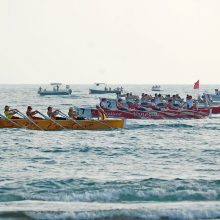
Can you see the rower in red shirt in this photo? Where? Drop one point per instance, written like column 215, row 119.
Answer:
column 31, row 114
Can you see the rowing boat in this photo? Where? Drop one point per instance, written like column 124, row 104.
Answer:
column 49, row 125
column 153, row 114
column 149, row 111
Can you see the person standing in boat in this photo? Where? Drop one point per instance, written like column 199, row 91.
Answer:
column 54, row 114
column 101, row 113
column 10, row 113
column 31, row 114
column 40, row 90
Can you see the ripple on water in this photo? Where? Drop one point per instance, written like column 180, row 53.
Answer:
column 157, row 161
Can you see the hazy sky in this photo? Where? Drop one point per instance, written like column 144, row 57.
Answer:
column 113, row 41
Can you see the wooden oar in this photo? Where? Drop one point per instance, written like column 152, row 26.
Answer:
column 102, row 123
column 12, row 122
column 67, row 117
column 48, row 118
column 22, row 115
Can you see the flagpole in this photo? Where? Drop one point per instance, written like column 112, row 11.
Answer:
column 196, row 86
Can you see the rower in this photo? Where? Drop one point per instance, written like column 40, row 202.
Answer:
column 73, row 114
column 189, row 102
column 175, row 101
column 53, row 114
column 31, row 114
column 121, row 105
column 157, row 99
column 10, row 113
column 104, row 103
column 101, row 113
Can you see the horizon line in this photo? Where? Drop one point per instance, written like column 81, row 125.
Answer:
column 110, row 83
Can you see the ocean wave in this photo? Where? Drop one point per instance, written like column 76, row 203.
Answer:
column 84, row 190
column 114, row 211
column 158, row 126
column 215, row 128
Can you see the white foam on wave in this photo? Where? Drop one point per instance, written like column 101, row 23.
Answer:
column 94, row 210
column 114, row 195
column 106, row 195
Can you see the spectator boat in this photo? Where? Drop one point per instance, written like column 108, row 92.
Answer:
column 102, row 88
column 56, row 90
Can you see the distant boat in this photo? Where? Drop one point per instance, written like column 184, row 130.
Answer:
column 156, row 88
column 56, row 90
column 101, row 88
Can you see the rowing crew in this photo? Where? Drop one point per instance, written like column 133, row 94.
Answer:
column 53, row 114
column 122, row 104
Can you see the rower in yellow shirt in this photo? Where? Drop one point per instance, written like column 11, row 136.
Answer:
column 10, row 113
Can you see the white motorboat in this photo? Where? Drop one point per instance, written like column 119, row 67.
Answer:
column 102, row 88
column 56, row 90
column 156, row 88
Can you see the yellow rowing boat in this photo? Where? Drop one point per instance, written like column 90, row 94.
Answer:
column 49, row 125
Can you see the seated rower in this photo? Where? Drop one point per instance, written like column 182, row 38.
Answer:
column 31, row 114
column 73, row 114
column 10, row 113
column 104, row 104
column 189, row 102
column 53, row 114
column 121, row 105
column 101, row 113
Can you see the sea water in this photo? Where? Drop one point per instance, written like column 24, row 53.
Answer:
column 152, row 169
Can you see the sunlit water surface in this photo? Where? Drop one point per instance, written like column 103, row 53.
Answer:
column 152, row 169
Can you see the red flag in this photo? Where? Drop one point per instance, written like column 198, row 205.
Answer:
column 196, row 85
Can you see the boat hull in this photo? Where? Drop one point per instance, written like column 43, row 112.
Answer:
column 130, row 114
column 156, row 90
column 49, row 125
column 215, row 109
column 55, row 93
column 96, row 91
column 165, row 114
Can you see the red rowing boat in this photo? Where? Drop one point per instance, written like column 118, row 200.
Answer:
column 148, row 114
